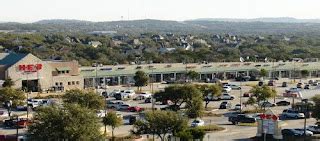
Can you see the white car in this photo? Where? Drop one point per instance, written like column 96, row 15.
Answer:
column 226, row 96
column 267, row 104
column 289, row 113
column 197, row 122
column 292, row 90
column 101, row 113
column 4, row 114
column 143, row 95
column 238, row 107
column 301, row 131
column 128, row 93
column 227, row 88
column 314, row 128
column 123, row 107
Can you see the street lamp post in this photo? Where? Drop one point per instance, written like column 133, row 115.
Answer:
column 305, row 101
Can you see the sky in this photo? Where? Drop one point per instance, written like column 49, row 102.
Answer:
column 179, row 10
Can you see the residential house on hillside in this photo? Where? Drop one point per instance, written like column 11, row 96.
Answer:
column 157, row 37
column 164, row 50
column 95, row 44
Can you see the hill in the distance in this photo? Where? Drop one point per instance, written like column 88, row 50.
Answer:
column 237, row 26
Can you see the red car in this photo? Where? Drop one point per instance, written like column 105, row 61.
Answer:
column 135, row 109
column 247, row 94
column 23, row 122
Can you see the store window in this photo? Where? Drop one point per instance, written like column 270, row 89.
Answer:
column 73, row 83
column 69, row 83
column 78, row 82
column 57, row 83
column 61, row 83
column 67, row 71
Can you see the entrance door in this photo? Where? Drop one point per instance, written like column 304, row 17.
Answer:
column 30, row 85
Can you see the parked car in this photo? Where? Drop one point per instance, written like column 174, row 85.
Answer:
column 226, row 96
column 284, row 84
column 210, row 97
column 148, row 100
column 315, row 83
column 308, row 133
column 300, row 85
column 271, row 83
column 227, row 89
column 111, row 104
column 295, row 132
column 128, row 93
column 311, row 81
column 235, row 87
column 4, row 114
column 238, row 107
column 315, row 129
column 225, row 105
column 267, row 104
column 283, row 103
column 306, row 86
column 241, row 118
column 23, row 122
column 294, row 90
column 135, row 109
column 142, row 96
column 197, row 123
column 101, row 113
column 246, row 94
column 123, row 107
column 114, row 92
column 289, row 113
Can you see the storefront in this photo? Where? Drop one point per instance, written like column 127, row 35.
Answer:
column 32, row 74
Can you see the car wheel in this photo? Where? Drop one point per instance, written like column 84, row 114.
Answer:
column 296, row 117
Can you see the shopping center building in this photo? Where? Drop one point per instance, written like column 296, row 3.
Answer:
column 33, row 74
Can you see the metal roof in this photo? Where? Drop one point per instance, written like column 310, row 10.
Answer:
column 127, row 70
column 9, row 59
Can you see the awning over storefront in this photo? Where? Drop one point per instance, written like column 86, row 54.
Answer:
column 63, row 68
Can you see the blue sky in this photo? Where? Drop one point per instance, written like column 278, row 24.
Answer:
column 110, row 10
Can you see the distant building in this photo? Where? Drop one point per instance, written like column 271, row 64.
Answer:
column 95, row 44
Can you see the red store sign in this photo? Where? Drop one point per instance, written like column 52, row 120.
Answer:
column 30, row 67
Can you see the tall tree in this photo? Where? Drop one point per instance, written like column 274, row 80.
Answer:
column 316, row 109
column 70, row 122
column 193, row 75
column 141, row 79
column 263, row 73
column 304, row 73
column 8, row 83
column 263, row 93
column 87, row 99
column 112, row 120
column 16, row 96
column 178, row 94
column 160, row 123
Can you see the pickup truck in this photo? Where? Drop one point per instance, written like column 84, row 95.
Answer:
column 241, row 118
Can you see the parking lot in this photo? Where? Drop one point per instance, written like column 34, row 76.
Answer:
column 231, row 131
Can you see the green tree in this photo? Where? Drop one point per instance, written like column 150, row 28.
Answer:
column 263, row 73
column 8, row 83
column 16, row 96
column 141, row 79
column 70, row 122
column 112, row 120
column 212, row 90
column 251, row 101
column 87, row 99
column 191, row 134
column 263, row 93
column 160, row 123
column 316, row 108
column 193, row 75
column 178, row 94
column 195, row 108
column 304, row 73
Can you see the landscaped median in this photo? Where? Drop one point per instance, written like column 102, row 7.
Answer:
column 211, row 128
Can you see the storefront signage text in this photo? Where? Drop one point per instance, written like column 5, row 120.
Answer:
column 30, row 67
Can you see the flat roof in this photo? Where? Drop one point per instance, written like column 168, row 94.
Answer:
column 129, row 70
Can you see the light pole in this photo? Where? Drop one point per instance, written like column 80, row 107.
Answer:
column 305, row 101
